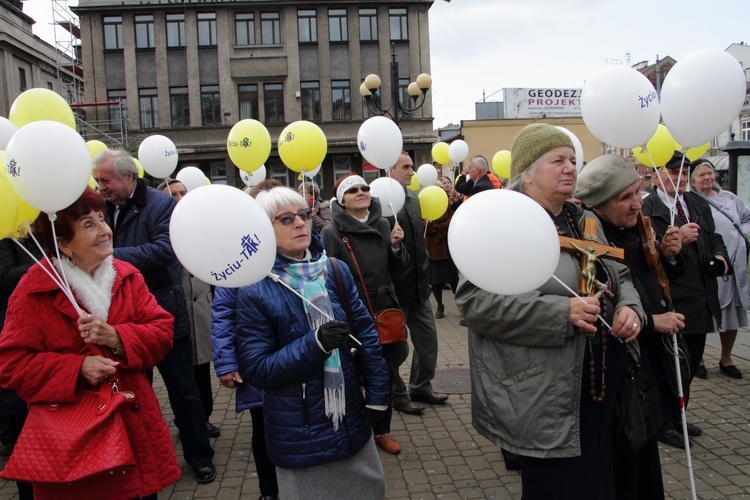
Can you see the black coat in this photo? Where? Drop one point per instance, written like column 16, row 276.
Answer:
column 695, row 292
column 14, row 263
column 471, row 187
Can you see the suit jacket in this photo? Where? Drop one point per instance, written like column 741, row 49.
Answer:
column 472, row 187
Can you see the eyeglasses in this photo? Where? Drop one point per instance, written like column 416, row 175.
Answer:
column 357, row 189
column 288, row 217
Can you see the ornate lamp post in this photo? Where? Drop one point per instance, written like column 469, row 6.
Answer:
column 417, row 91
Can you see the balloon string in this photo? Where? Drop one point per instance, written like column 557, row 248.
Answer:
column 275, row 278
column 604, row 322
column 426, row 221
column 674, row 186
column 52, row 218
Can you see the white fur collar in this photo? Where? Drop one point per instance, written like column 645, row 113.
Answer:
column 93, row 292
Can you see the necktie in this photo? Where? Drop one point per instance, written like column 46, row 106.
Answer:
column 680, row 211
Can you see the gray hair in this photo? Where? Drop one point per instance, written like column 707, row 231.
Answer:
column 122, row 163
column 526, row 174
column 480, row 162
column 311, row 187
column 278, row 198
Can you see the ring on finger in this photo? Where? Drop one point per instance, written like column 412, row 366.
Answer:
column 635, row 325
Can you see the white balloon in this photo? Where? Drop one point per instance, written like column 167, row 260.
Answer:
column 380, row 142
column 458, row 151
column 391, row 195
column 312, row 173
column 192, row 178
column 223, row 236
column 702, row 95
column 577, row 146
column 255, row 177
column 514, row 231
column 620, row 107
column 51, row 177
column 158, row 155
column 7, row 129
column 427, row 174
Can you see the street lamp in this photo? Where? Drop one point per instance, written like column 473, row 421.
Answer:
column 417, row 91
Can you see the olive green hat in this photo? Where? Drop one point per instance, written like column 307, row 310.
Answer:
column 532, row 142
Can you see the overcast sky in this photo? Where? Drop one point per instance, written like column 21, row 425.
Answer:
column 482, row 46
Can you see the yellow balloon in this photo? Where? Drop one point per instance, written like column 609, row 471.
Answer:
column 433, row 202
column 660, row 148
column 501, row 164
column 25, row 218
column 441, row 153
column 414, row 185
column 302, row 146
column 92, row 184
column 95, row 147
column 41, row 104
column 696, row 152
column 249, row 144
column 141, row 172
column 8, row 206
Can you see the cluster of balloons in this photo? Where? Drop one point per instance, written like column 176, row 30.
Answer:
column 661, row 147
column 455, row 152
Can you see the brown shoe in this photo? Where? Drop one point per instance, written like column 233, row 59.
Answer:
column 388, row 443
column 410, row 408
column 440, row 313
column 429, row 397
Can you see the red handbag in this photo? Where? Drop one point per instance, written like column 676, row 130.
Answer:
column 65, row 442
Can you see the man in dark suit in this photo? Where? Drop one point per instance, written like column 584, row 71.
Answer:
column 474, row 179
column 695, row 292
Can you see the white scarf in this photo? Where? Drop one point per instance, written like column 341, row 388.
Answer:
column 93, row 291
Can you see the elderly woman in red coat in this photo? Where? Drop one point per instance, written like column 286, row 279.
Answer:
column 43, row 338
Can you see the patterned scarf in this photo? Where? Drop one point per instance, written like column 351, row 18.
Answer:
column 309, row 279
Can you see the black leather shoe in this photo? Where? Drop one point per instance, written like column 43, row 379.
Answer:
column 429, row 398
column 213, row 431
column 268, row 497
column 701, row 372
column 693, row 430
column 730, row 370
column 410, row 408
column 205, row 474
column 671, row 437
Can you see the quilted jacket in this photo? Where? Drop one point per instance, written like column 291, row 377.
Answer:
column 280, row 355
column 40, row 359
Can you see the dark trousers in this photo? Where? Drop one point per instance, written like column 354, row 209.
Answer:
column 202, row 375
column 176, row 370
column 263, row 466
column 696, row 344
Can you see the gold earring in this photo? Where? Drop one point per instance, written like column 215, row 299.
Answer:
column 70, row 261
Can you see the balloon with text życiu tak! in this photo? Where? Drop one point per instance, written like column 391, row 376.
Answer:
column 380, row 142
column 302, row 146
column 40, row 104
column 660, row 148
column 433, row 202
column 192, row 178
column 216, row 246
column 501, row 164
column 52, row 177
column 441, row 153
column 249, row 144
column 158, row 155
column 515, row 231
column 702, row 96
column 620, row 107
column 390, row 193
column 458, row 151
column 427, row 175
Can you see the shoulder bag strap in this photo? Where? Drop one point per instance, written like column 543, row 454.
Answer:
column 734, row 223
column 359, row 273
column 340, row 285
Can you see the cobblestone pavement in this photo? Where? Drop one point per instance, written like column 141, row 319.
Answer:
column 443, row 457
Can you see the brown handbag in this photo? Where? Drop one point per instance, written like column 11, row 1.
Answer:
column 389, row 323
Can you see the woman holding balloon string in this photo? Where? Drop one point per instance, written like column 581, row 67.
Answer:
column 292, row 345
column 542, row 386
column 378, row 252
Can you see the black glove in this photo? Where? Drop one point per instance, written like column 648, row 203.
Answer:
column 333, row 334
column 371, row 416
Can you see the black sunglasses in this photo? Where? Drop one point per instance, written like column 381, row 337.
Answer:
column 288, row 217
column 356, row 189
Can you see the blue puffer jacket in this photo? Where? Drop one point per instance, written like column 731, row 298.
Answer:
column 223, row 337
column 280, row 355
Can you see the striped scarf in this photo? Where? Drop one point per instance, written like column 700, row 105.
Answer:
column 309, row 279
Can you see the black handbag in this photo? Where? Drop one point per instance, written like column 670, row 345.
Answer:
column 630, row 412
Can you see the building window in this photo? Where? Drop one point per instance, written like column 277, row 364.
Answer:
column 341, row 99
column 180, row 103
column 210, row 105
column 368, row 25
column 399, row 24
column 144, row 31
column 342, row 165
column 307, row 26
column 337, row 25
column 113, row 33
column 270, row 28
column 218, row 172
column 278, row 170
column 117, row 114
column 22, row 79
column 403, row 91
column 175, row 30
column 49, row 86
column 149, row 105
column 273, row 101
column 206, row 29
column 244, row 27
column 311, row 101
column 745, row 131
column 248, row 101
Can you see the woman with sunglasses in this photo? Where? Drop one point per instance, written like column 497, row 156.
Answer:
column 378, row 251
column 295, row 351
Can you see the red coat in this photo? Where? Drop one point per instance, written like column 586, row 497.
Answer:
column 40, row 360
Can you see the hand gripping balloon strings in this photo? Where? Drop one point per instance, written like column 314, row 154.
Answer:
column 275, row 278
column 604, row 322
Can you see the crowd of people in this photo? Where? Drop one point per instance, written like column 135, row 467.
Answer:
column 550, row 368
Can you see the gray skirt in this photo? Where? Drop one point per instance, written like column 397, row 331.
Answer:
column 360, row 477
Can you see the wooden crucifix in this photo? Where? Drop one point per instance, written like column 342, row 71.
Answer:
column 590, row 251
